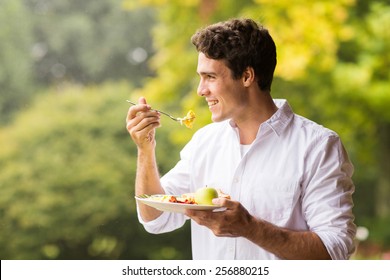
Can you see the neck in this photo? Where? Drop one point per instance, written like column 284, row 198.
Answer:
column 257, row 111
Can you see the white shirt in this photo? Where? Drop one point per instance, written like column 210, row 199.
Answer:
column 296, row 174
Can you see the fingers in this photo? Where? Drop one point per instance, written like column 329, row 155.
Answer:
column 144, row 128
column 140, row 111
column 141, row 122
column 143, row 125
column 215, row 221
column 142, row 100
column 230, row 222
column 227, row 204
column 135, row 109
column 201, row 217
column 140, row 116
column 224, row 202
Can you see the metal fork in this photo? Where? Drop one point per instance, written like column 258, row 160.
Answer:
column 166, row 114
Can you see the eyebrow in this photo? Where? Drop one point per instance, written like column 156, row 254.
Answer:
column 207, row 73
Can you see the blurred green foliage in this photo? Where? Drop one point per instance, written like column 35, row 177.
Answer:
column 44, row 43
column 15, row 61
column 67, row 164
column 67, row 180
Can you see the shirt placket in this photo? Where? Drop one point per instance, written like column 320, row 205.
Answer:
column 235, row 194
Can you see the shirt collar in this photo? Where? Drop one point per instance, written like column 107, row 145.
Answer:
column 282, row 117
column 278, row 121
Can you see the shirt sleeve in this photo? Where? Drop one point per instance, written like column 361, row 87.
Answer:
column 327, row 201
column 176, row 181
column 166, row 222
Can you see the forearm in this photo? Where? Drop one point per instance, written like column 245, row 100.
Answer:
column 287, row 244
column 147, row 182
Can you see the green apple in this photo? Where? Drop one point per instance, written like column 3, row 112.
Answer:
column 205, row 195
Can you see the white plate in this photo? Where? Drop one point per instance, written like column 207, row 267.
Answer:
column 175, row 207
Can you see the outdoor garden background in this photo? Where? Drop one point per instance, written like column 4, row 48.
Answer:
column 67, row 163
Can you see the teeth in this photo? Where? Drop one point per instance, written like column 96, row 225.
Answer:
column 211, row 103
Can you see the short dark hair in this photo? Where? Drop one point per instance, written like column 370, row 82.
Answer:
column 241, row 43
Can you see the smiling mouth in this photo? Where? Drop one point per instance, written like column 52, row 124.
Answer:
column 212, row 103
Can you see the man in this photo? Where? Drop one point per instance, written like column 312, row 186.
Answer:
column 289, row 178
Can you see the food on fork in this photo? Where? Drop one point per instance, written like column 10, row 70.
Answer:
column 188, row 120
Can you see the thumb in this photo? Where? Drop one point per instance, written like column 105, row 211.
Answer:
column 223, row 202
column 142, row 100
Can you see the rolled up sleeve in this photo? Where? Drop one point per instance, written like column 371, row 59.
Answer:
column 166, row 222
column 327, row 202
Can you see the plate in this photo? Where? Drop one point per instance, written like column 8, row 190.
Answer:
column 175, row 207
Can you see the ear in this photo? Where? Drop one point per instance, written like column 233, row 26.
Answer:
column 248, row 77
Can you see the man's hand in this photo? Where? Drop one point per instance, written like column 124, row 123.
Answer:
column 236, row 221
column 141, row 123
column 233, row 222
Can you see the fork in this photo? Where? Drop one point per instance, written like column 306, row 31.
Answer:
column 166, row 114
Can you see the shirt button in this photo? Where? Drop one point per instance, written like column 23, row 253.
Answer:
column 236, row 180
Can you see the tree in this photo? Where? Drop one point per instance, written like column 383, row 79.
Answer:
column 57, row 42
column 15, row 60
column 67, row 181
column 89, row 41
column 364, row 81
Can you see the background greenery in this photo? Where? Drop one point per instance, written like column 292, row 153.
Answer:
column 67, row 164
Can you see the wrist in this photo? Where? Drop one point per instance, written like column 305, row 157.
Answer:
column 145, row 152
column 254, row 229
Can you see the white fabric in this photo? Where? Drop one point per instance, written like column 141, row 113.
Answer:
column 296, row 174
column 244, row 149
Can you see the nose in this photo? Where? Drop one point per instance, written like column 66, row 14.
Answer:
column 202, row 89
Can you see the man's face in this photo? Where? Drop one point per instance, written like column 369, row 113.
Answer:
column 224, row 95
